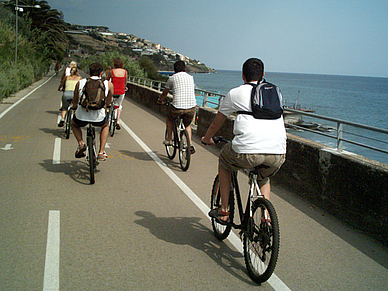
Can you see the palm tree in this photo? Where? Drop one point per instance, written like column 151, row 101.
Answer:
column 48, row 25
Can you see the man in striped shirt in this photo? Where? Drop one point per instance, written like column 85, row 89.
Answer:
column 183, row 103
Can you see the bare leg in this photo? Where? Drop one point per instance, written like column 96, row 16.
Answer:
column 78, row 134
column 169, row 126
column 225, row 181
column 118, row 114
column 103, row 137
column 188, row 129
column 266, row 190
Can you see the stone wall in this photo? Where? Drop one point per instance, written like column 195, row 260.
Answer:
column 351, row 187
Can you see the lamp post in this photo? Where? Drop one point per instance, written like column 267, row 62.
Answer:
column 17, row 9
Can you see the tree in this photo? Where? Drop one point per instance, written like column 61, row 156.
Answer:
column 48, row 24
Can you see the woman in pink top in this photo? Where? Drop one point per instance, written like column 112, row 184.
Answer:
column 118, row 76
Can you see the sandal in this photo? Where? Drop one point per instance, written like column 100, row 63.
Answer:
column 102, row 156
column 118, row 127
column 217, row 213
column 80, row 152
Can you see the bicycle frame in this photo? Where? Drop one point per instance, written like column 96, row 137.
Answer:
column 178, row 127
column 253, row 189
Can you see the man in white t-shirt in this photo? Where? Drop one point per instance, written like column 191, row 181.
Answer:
column 83, row 117
column 183, row 103
column 256, row 141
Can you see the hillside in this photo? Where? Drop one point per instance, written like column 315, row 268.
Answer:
column 88, row 40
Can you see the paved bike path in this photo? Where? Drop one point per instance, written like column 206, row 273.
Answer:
column 137, row 229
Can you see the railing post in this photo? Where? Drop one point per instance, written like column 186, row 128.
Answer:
column 340, row 128
column 205, row 97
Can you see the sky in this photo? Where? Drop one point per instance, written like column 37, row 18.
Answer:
column 335, row 37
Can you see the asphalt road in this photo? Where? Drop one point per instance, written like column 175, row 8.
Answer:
column 143, row 224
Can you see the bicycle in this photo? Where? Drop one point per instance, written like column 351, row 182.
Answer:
column 91, row 156
column 180, row 142
column 259, row 225
column 68, row 119
column 113, row 117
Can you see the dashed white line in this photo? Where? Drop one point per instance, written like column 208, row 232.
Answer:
column 51, row 266
column 57, row 151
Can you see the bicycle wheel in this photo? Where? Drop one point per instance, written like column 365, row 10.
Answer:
column 221, row 231
column 68, row 119
column 112, row 123
column 184, row 150
column 171, row 150
column 261, row 241
column 91, row 158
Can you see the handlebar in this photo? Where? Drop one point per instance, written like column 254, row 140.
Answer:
column 217, row 139
column 164, row 102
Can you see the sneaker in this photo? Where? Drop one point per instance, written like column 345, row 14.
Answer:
column 192, row 150
column 118, row 127
column 167, row 142
column 102, row 156
column 61, row 123
column 80, row 152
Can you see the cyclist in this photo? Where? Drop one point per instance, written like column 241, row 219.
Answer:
column 256, row 141
column 69, row 83
column 119, row 78
column 66, row 71
column 83, row 117
column 183, row 103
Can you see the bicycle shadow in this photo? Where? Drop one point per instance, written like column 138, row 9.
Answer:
column 189, row 231
column 76, row 170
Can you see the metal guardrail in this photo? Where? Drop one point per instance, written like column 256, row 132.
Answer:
column 341, row 131
column 159, row 85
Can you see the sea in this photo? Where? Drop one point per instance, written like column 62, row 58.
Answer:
column 362, row 100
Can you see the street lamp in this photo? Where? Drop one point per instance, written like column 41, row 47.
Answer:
column 17, row 9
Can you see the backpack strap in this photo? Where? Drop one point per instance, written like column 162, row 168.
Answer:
column 254, row 86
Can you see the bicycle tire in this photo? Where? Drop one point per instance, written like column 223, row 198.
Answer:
column 112, row 123
column 221, row 232
column 171, row 150
column 91, row 158
column 184, row 150
column 68, row 119
column 261, row 242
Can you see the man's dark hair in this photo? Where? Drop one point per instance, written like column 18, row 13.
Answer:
column 253, row 69
column 95, row 69
column 179, row 66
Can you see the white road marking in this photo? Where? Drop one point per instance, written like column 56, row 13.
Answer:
column 7, row 147
column 57, row 151
column 274, row 281
column 51, row 266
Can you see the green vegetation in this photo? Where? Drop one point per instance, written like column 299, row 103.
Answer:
column 106, row 60
column 41, row 39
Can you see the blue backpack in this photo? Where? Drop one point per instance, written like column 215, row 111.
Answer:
column 266, row 101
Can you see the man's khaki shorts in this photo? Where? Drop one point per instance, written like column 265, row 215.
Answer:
column 231, row 161
column 188, row 114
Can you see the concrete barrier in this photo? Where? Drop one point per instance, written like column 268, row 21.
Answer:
column 351, row 187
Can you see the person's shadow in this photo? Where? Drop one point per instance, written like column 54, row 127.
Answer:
column 189, row 231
